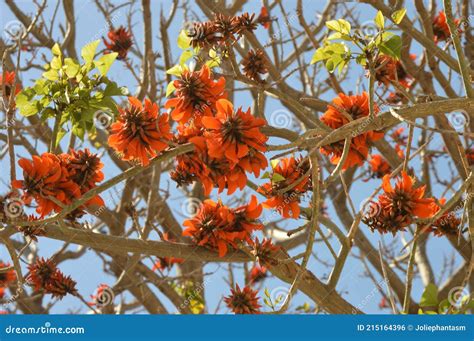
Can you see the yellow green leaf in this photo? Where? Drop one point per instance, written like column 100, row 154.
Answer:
column 398, row 16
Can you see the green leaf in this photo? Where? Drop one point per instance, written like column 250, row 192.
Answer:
column 105, row 62
column 398, row 16
column 265, row 175
column 379, row 20
column 185, row 57
column 361, row 60
column 61, row 133
column 276, row 177
column 56, row 50
column 176, row 70
column 443, row 306
column 88, row 51
column 72, row 68
column 319, row 55
column 274, row 163
column 429, row 298
column 266, row 292
column 184, row 42
column 56, row 63
column 333, row 62
column 51, row 75
column 170, row 88
column 336, row 48
column 338, row 35
column 30, row 108
column 112, row 89
column 392, row 47
column 215, row 62
column 340, row 25
column 79, row 130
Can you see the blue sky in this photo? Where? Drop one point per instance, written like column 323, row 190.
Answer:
column 87, row 271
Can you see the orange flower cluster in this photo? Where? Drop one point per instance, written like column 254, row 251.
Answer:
column 6, row 278
column 49, row 179
column 397, row 207
column 441, row 30
column 264, row 252
column 166, row 263
column 225, row 29
column 447, row 224
column 196, row 95
column 379, row 167
column 217, row 226
column 243, row 301
column 388, row 70
column 44, row 275
column 31, row 231
column 228, row 142
column 288, row 182
column 120, row 42
column 342, row 110
column 140, row 132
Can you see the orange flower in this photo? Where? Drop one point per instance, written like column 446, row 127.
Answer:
column 379, row 166
column 120, row 42
column 203, row 34
column 337, row 115
column 264, row 19
column 388, row 69
column 46, row 178
column 85, row 170
column 243, row 301
column 245, row 23
column 398, row 206
column 166, row 263
column 257, row 274
column 441, row 29
column 265, row 251
column 8, row 79
column 217, row 226
column 287, row 172
column 44, row 275
column 140, row 132
column 32, row 231
column 447, row 224
column 233, row 134
column 196, row 95
column 6, row 277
